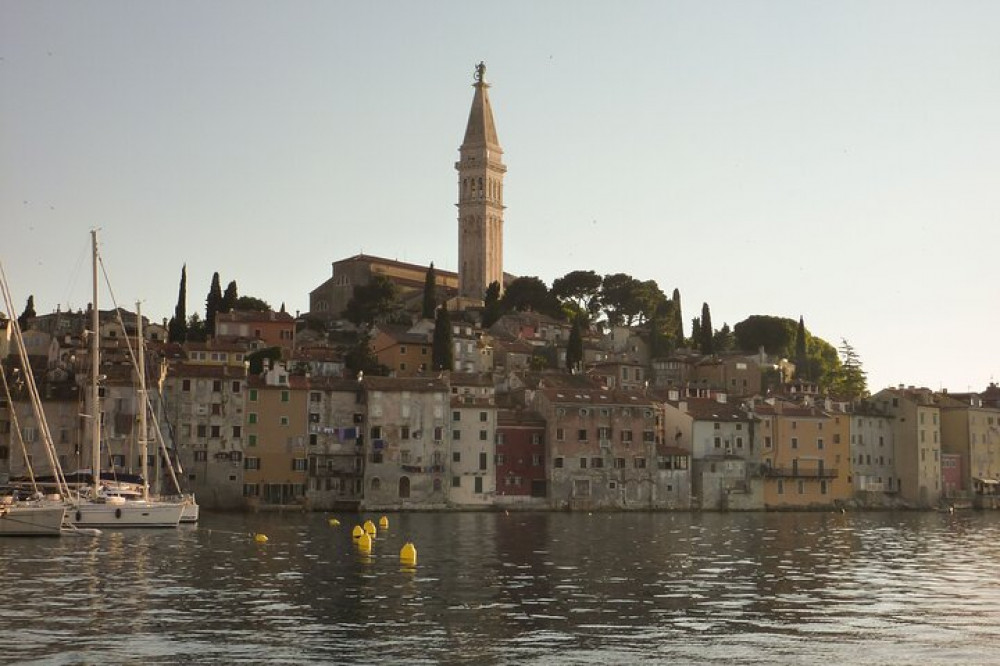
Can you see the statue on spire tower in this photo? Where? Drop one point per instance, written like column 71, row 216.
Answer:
column 481, row 72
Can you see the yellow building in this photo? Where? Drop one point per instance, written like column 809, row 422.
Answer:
column 276, row 462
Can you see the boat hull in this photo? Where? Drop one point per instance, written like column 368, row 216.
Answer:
column 32, row 520
column 126, row 514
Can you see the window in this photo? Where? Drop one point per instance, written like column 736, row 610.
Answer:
column 483, row 417
column 252, row 418
column 216, row 432
column 456, row 482
column 739, row 442
column 285, row 395
column 498, row 459
column 795, row 442
column 626, row 437
column 478, row 485
column 438, row 433
column 581, row 488
column 202, row 432
column 251, row 490
column 200, row 456
column 819, row 443
column 536, row 460
column 822, row 487
column 483, row 435
column 186, row 385
column 795, row 424
column 252, row 440
column 781, row 487
column 376, row 432
column 640, row 463
column 619, row 463
column 251, row 463
column 404, row 432
column 253, row 395
column 536, row 438
column 456, row 456
column 299, row 464
column 217, row 386
column 716, row 426
column 560, row 435
column 597, row 463
column 648, row 436
column 604, row 433
column 482, row 460
column 456, row 435
column 283, row 420
column 836, row 438
column 718, row 442
column 558, row 462
column 402, row 350
column 456, row 416
column 583, row 463
column 802, row 487
column 377, row 457
column 581, row 435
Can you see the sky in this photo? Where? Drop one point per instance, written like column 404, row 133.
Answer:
column 838, row 161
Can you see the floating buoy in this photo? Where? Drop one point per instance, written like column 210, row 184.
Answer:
column 408, row 554
column 357, row 532
column 260, row 538
column 370, row 529
column 365, row 543
column 334, row 522
column 383, row 523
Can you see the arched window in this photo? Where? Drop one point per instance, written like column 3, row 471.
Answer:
column 404, row 487
column 437, row 485
column 376, row 484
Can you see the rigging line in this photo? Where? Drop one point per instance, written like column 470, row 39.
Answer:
column 15, row 424
column 29, row 378
column 73, row 277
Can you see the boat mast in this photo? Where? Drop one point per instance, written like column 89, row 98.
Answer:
column 95, row 367
column 144, row 469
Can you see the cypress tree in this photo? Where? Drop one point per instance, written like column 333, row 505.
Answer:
column 801, row 359
column 442, row 356
column 177, row 328
column 695, row 332
column 491, row 306
column 707, row 343
column 229, row 298
column 430, row 289
column 679, row 333
column 212, row 303
column 27, row 315
column 574, row 346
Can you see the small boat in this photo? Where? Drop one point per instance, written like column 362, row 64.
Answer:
column 38, row 516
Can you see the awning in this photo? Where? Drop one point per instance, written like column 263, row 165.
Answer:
column 987, row 482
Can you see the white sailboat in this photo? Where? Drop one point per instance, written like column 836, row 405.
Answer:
column 109, row 509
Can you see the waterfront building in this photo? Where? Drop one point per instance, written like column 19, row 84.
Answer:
column 407, row 442
column 336, row 459
column 473, row 433
column 472, row 349
column 719, row 437
column 204, row 409
column 873, row 468
column 480, row 198
column 520, row 458
column 917, row 437
column 802, row 461
column 970, row 430
column 404, row 351
column 602, row 448
column 276, row 463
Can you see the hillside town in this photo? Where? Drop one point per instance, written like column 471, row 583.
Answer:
column 460, row 403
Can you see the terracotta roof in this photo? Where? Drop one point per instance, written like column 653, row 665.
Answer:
column 195, row 370
column 509, row 418
column 372, row 259
column 582, row 396
column 471, row 379
column 254, row 316
column 708, row 409
column 415, row 384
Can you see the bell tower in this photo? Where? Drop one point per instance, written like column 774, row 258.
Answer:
column 480, row 198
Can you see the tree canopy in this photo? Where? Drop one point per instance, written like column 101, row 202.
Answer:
column 177, row 327
column 579, row 292
column 371, row 301
column 213, row 302
column 492, row 305
column 574, row 346
column 442, row 354
column 251, row 304
column 529, row 293
column 430, row 293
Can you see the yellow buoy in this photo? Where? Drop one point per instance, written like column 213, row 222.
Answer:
column 334, row 522
column 408, row 554
column 370, row 528
column 383, row 523
column 357, row 532
column 260, row 538
column 365, row 543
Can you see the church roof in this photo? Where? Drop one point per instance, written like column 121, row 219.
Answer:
column 481, row 130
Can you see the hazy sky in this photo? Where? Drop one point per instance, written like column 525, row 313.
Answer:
column 835, row 160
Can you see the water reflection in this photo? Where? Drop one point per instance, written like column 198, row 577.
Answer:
column 536, row 587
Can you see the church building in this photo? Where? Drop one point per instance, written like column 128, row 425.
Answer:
column 480, row 228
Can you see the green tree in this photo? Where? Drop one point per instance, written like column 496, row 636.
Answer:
column 196, row 329
column 360, row 357
column 706, row 342
column 229, row 298
column 212, row 303
column 678, row 317
column 695, row 333
column 177, row 326
column 529, row 293
column 27, row 315
column 802, row 369
column 724, row 340
column 851, row 382
column 371, row 301
column 574, row 346
column 774, row 334
column 579, row 292
column 442, row 355
column 256, row 359
column 251, row 304
column 492, row 306
column 430, row 293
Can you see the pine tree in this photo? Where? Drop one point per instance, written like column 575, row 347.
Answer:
column 430, row 293
column 177, row 328
column 229, row 298
column 442, row 356
column 212, row 303
column 574, row 346
column 851, row 381
column 706, row 342
column 27, row 315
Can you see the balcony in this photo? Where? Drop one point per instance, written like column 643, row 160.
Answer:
column 800, row 472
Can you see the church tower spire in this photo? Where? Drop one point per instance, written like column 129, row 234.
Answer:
column 480, row 198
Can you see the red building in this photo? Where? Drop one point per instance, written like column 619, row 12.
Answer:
column 520, row 455
column 951, row 474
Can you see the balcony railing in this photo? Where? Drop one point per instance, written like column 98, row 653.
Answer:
column 800, row 472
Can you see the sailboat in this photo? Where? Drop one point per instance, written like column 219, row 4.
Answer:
column 103, row 507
